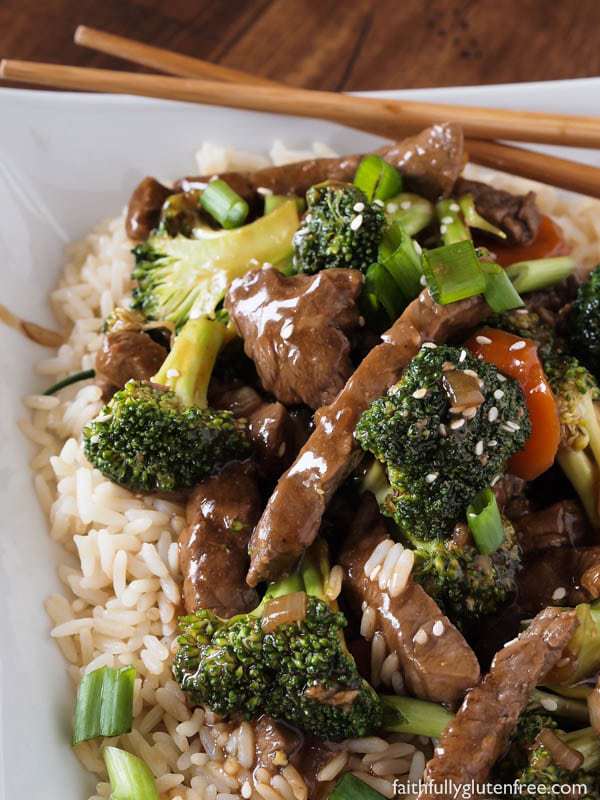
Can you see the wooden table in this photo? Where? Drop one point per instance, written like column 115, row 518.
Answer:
column 330, row 44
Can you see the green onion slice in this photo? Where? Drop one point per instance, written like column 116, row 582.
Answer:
column 377, row 179
column 500, row 294
column 529, row 276
column 104, row 704
column 485, row 522
column 130, row 778
column 475, row 220
column 380, row 283
column 224, row 205
column 401, row 256
column 452, row 227
column 453, row 272
column 273, row 201
column 411, row 211
column 417, row 717
column 349, row 787
column 76, row 377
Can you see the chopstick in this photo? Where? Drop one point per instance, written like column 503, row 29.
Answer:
column 389, row 118
column 161, row 59
column 561, row 172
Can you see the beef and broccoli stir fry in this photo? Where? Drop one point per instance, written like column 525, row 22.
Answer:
column 375, row 384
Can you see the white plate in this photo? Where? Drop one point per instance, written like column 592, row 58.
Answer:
column 66, row 162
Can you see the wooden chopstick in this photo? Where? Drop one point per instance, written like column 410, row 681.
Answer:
column 390, row 118
column 163, row 60
column 572, row 175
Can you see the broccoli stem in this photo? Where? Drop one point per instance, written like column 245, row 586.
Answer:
column 375, row 481
column 189, row 365
column 452, row 227
column 418, row 717
column 564, row 707
column 583, row 474
column 586, row 742
column 529, row 276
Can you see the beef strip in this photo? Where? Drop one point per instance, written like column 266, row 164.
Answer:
column 430, row 163
column 143, row 210
column 516, row 215
column 221, row 513
column 293, row 515
column 128, row 355
column 294, row 329
column 444, row 667
column 479, row 733
column 562, row 524
column 574, row 569
column 278, row 744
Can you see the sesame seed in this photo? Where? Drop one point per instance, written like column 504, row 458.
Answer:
column 429, row 345
column 173, row 373
column 495, row 479
column 559, row 594
column 443, row 229
column 479, row 448
column 359, row 206
column 501, row 377
column 442, row 429
column 418, row 248
column 391, row 208
column 498, row 394
column 462, row 356
column 518, row 345
column 549, row 704
column 513, row 425
column 264, row 191
column 447, row 365
column 493, row 414
column 438, row 628
column 431, row 478
column 471, row 372
column 420, row 637
column 493, row 443
column 356, row 222
column 379, row 203
column 457, row 423
column 454, row 207
column 447, row 220
column 483, row 340
column 419, row 394
column 470, row 412
column 423, row 280
column 405, row 205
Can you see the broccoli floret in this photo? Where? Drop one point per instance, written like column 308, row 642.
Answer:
column 297, row 669
column 179, row 278
column 437, row 455
column 578, row 401
column 584, row 324
column 160, row 435
column 340, row 229
column 466, row 584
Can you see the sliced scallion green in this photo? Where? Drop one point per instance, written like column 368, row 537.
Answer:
column 401, row 256
column 273, row 201
column 379, row 282
column 224, row 205
column 417, row 717
column 485, row 522
column 377, row 179
column 475, row 220
column 500, row 294
column 411, row 211
column 453, row 272
column 104, row 704
column 130, row 778
column 452, row 227
column 529, row 276
column 349, row 787
column 76, row 377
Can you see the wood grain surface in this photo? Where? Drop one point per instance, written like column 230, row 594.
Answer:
column 328, row 44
